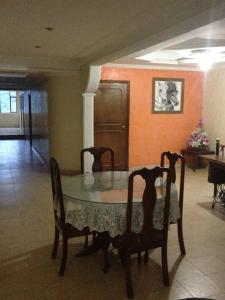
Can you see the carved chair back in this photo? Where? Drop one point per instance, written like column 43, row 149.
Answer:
column 173, row 158
column 59, row 212
column 149, row 199
column 97, row 153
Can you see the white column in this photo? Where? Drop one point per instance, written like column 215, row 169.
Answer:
column 88, row 127
column 91, row 79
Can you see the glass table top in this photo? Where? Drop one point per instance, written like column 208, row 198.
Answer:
column 103, row 187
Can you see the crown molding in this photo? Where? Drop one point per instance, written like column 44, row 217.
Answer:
column 131, row 66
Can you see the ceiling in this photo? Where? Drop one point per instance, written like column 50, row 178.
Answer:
column 62, row 35
column 187, row 51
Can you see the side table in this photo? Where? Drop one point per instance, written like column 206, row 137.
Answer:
column 193, row 160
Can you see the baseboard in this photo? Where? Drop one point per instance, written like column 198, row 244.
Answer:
column 12, row 137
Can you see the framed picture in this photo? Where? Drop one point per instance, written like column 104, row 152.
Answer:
column 167, row 95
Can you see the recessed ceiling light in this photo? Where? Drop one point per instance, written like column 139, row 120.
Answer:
column 49, row 28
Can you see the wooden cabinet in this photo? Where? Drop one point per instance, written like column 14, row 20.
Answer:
column 193, row 159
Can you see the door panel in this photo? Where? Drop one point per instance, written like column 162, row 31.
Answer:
column 111, row 121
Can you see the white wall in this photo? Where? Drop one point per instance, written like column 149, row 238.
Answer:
column 214, row 105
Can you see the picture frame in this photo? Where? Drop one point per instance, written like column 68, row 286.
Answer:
column 167, row 95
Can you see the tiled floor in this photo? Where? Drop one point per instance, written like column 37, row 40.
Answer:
column 26, row 234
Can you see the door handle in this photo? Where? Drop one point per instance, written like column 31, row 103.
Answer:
column 123, row 126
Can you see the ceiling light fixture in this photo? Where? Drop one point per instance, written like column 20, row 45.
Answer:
column 49, row 28
column 205, row 61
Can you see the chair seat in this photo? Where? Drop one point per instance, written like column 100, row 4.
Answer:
column 71, row 231
column 136, row 241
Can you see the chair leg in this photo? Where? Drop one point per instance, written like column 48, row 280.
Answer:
column 180, row 236
column 165, row 266
column 146, row 257
column 86, row 241
column 127, row 268
column 214, row 195
column 139, row 258
column 106, row 257
column 64, row 256
column 56, row 243
column 94, row 235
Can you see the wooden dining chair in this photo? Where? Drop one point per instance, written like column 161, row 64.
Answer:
column 66, row 230
column 148, row 238
column 97, row 166
column 97, row 153
column 173, row 158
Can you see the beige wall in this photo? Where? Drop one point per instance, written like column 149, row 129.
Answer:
column 214, row 105
column 65, row 120
column 11, row 120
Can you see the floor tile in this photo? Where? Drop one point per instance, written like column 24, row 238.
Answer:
column 26, row 235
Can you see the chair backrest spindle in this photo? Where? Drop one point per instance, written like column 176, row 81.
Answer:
column 97, row 153
column 59, row 211
column 173, row 158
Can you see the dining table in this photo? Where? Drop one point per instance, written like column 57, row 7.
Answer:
column 98, row 201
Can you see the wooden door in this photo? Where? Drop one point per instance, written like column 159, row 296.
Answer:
column 111, row 120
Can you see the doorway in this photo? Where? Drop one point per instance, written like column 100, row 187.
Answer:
column 10, row 115
column 111, row 120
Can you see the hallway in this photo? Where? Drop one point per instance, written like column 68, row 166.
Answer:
column 26, row 236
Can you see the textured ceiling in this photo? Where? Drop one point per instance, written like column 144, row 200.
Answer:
column 90, row 31
column 184, row 50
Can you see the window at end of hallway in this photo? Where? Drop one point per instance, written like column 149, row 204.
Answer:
column 8, row 102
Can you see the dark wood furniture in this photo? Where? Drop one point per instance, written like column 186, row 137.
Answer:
column 193, row 159
column 148, row 237
column 173, row 158
column 99, row 200
column 222, row 147
column 66, row 230
column 97, row 152
column 111, row 119
column 97, row 166
column 216, row 175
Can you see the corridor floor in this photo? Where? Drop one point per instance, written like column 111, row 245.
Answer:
column 26, row 235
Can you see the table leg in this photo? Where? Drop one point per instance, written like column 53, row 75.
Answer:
column 214, row 195
column 100, row 242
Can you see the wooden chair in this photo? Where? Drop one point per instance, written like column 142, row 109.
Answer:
column 222, row 147
column 97, row 153
column 97, row 166
column 173, row 158
column 148, row 237
column 66, row 230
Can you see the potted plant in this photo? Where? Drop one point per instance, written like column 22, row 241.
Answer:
column 198, row 140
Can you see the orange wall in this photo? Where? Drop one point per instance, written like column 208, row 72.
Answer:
column 150, row 134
